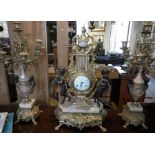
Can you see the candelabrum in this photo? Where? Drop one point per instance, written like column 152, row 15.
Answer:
column 0, row 66
column 140, row 64
column 126, row 50
column 25, row 83
column 2, row 54
column 3, row 47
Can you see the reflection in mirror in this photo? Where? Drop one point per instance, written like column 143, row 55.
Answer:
column 110, row 33
column 100, row 31
column 120, row 31
column 4, row 35
column 51, row 30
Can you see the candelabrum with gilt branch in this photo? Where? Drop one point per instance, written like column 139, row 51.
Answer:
column 4, row 49
column 2, row 55
column 139, row 65
column 21, row 58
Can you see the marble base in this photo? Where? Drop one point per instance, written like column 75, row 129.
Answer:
column 27, row 105
column 91, row 107
column 134, row 107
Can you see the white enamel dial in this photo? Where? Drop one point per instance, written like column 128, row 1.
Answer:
column 82, row 83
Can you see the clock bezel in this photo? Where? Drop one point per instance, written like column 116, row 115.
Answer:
column 89, row 75
column 86, row 88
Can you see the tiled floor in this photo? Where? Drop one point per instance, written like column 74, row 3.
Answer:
column 150, row 92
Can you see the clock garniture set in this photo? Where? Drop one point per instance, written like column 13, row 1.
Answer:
column 79, row 104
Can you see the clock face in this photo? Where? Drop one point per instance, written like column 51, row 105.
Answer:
column 82, row 83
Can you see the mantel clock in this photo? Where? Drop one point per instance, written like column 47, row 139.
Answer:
column 79, row 89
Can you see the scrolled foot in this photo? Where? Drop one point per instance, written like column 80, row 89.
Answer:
column 17, row 121
column 34, row 121
column 103, row 129
column 57, row 127
column 125, row 125
column 144, row 126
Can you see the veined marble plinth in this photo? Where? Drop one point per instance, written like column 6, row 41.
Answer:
column 134, row 107
column 69, row 107
column 28, row 105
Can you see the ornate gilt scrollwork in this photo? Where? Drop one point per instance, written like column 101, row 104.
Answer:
column 79, row 107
